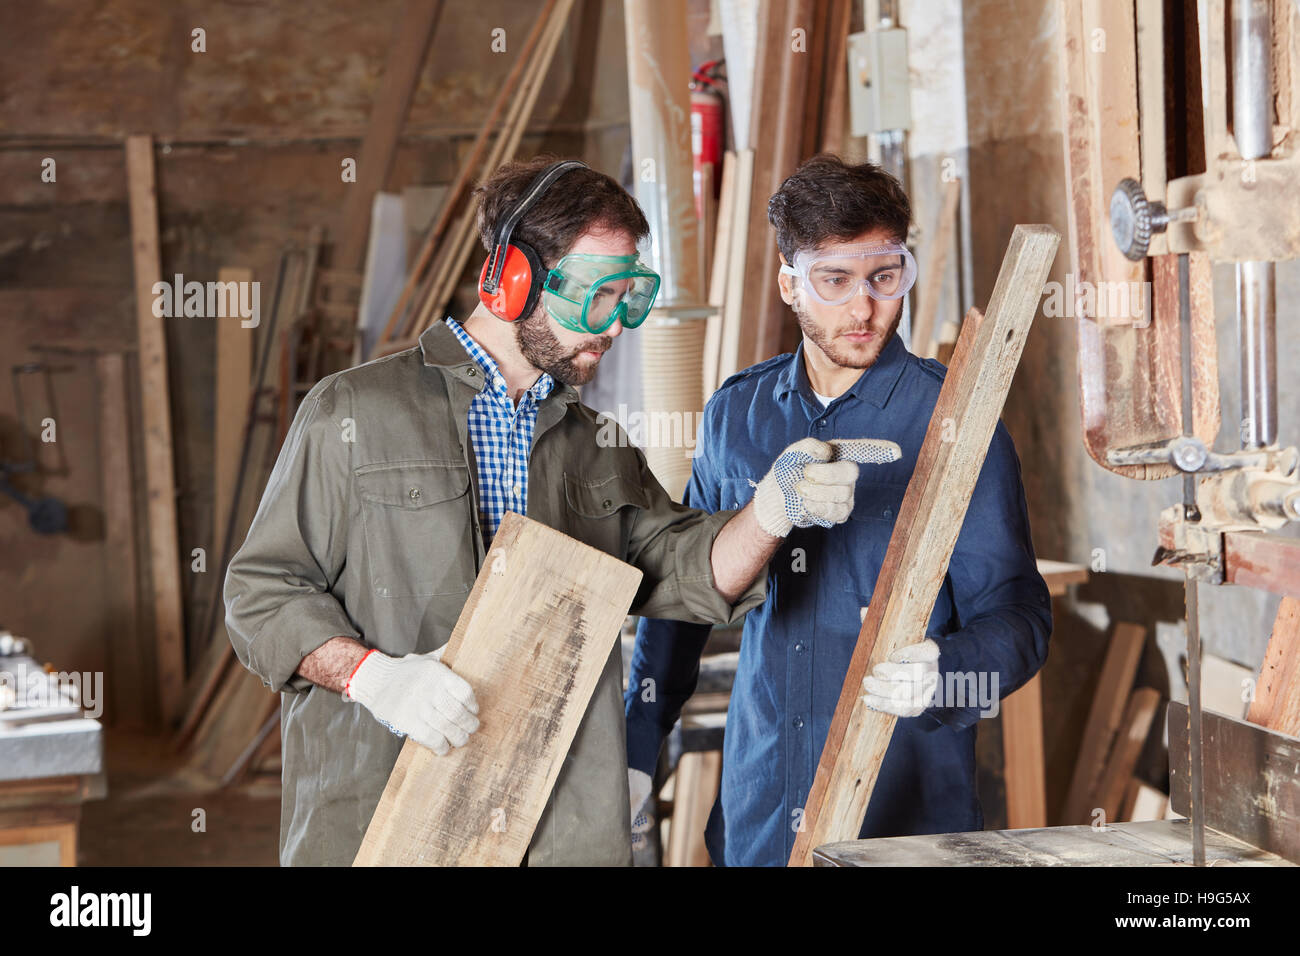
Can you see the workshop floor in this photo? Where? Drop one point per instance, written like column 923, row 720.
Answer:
column 149, row 815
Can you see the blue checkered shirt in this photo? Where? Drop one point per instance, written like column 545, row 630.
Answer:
column 501, row 436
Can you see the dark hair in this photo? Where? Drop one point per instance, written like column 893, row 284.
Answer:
column 578, row 201
column 826, row 198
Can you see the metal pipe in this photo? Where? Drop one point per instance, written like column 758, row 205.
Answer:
column 1257, row 337
column 1252, row 124
column 1252, row 78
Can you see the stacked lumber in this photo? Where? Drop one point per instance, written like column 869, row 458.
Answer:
column 453, row 236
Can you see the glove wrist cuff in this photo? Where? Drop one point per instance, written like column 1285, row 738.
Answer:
column 769, row 507
column 373, row 666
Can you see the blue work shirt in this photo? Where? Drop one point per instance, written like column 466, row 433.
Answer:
column 992, row 617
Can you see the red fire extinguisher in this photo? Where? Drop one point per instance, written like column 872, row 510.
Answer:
column 707, row 135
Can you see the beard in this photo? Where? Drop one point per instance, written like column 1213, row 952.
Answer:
column 543, row 350
column 843, row 353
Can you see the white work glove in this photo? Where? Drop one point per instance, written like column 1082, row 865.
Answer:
column 416, row 696
column 639, row 786
column 907, row 683
column 812, row 481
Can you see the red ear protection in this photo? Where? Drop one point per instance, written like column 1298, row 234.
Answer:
column 520, row 285
column 510, row 284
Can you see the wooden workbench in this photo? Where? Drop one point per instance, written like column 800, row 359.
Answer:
column 1149, row 843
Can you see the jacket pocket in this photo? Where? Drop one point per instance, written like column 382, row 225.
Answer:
column 734, row 494
column 417, row 527
column 599, row 510
column 602, row 497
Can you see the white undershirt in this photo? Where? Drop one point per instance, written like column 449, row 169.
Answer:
column 824, row 399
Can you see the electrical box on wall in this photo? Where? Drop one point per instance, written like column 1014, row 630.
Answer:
column 879, row 95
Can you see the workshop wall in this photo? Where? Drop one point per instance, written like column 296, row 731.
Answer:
column 251, row 135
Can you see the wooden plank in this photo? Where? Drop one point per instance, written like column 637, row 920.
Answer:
column 411, row 37
column 234, row 379
column 160, row 481
column 718, row 266
column 1059, row 575
column 1150, row 38
column 1022, row 754
column 1252, row 790
column 925, row 534
column 534, row 636
column 733, row 300
column 1104, row 716
column 1142, row 802
column 925, row 339
column 130, row 695
column 696, row 787
column 781, row 89
column 1264, row 561
column 459, row 191
column 1277, row 693
column 464, row 233
column 1134, row 728
column 835, row 120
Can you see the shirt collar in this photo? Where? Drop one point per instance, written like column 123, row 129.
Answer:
column 447, row 344
column 874, row 385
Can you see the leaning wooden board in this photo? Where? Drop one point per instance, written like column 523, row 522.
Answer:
column 925, row 535
column 532, row 640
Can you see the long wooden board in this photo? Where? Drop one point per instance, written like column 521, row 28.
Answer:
column 234, row 379
column 160, row 480
column 1104, row 717
column 122, row 613
column 1276, row 704
column 532, row 640
column 925, row 534
column 1134, row 727
column 1023, row 763
column 411, row 36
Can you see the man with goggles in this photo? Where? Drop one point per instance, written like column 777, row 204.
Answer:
column 589, row 293
column 834, row 274
column 844, row 273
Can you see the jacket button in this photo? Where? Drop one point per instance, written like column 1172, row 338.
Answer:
column 606, row 504
column 414, row 494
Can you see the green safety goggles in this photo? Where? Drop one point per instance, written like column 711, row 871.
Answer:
column 589, row 293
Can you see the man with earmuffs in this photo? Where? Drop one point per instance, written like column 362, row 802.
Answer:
column 395, row 476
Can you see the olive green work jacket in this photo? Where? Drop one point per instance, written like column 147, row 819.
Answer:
column 369, row 528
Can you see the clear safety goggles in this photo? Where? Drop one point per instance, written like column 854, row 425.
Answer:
column 834, row 275
column 589, row 293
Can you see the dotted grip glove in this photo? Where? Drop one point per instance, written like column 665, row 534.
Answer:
column 416, row 696
column 812, row 481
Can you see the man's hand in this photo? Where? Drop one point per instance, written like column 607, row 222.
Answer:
column 812, row 481
column 639, row 786
column 416, row 696
column 907, row 683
